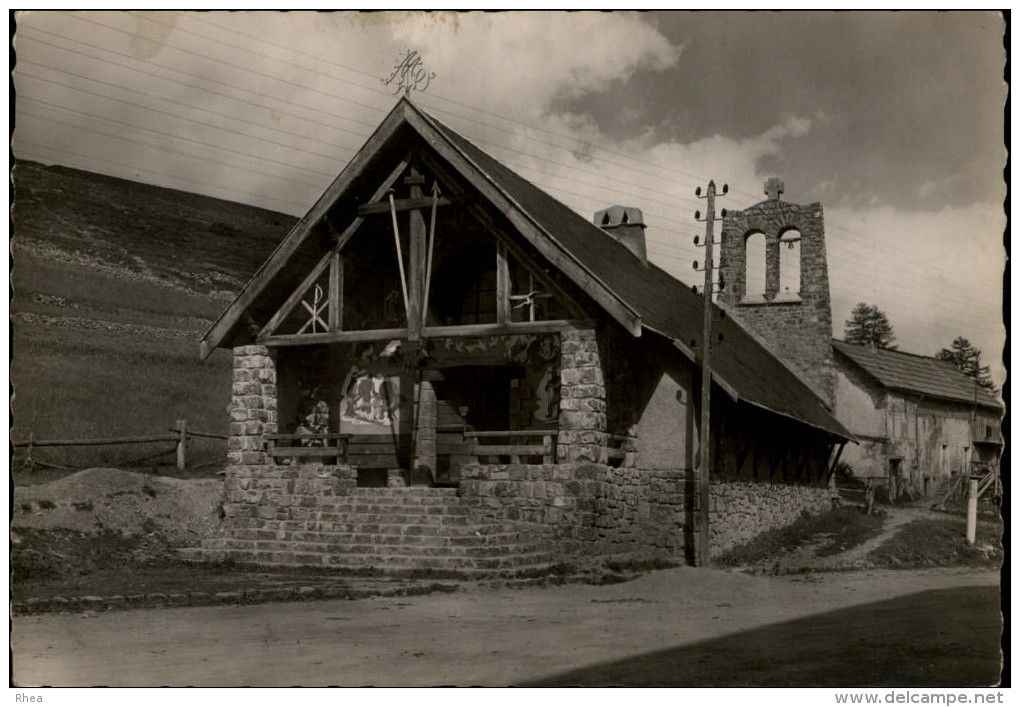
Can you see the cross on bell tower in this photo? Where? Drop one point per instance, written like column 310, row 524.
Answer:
column 774, row 187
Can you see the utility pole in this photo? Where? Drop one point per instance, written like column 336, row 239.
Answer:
column 704, row 447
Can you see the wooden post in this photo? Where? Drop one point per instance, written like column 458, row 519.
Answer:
column 704, row 487
column 503, row 314
column 182, row 444
column 972, row 499
column 336, row 288
column 416, row 255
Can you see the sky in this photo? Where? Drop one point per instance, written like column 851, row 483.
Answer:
column 893, row 121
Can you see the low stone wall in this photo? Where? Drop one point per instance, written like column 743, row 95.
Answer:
column 741, row 510
column 591, row 509
column 574, row 510
column 549, row 494
column 271, row 491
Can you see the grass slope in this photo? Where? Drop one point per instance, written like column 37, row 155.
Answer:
column 113, row 284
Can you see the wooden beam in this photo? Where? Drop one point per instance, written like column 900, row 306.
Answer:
column 513, row 248
column 415, row 258
column 288, row 305
column 333, row 337
column 402, row 205
column 540, row 327
column 502, row 285
column 532, row 232
column 299, row 233
column 336, row 292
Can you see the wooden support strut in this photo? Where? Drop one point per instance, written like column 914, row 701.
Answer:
column 400, row 256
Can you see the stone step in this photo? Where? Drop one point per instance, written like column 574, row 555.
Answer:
column 525, row 564
column 455, row 508
column 429, row 529
column 371, row 518
column 358, row 538
column 402, row 550
column 406, row 493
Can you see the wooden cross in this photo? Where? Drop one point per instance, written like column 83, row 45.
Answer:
column 774, row 187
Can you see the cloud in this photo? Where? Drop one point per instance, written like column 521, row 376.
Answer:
column 519, row 63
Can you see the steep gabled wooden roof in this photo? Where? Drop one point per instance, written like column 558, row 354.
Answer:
column 639, row 296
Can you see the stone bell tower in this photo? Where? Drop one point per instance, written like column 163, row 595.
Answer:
column 777, row 282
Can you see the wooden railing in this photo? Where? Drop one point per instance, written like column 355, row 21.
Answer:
column 987, row 481
column 331, row 445
column 514, row 451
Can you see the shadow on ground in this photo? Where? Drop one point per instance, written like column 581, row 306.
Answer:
column 945, row 637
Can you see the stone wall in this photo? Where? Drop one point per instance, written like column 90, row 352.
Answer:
column 283, row 492
column 741, row 510
column 590, row 509
column 582, row 436
column 425, row 427
column 253, row 404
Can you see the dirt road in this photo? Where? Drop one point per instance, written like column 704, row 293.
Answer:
column 681, row 627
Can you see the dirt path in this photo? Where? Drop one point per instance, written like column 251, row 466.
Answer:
column 806, row 557
column 683, row 626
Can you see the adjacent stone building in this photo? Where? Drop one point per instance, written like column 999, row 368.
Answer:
column 443, row 367
column 920, row 422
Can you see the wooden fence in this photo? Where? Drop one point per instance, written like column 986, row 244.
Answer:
column 180, row 437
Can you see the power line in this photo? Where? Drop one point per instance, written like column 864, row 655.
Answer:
column 375, row 90
column 161, row 148
column 146, row 72
column 236, row 66
column 191, row 121
column 156, row 132
column 697, row 178
column 136, row 169
column 530, row 168
column 151, row 96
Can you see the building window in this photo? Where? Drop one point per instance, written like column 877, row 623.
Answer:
column 789, row 265
column 754, row 267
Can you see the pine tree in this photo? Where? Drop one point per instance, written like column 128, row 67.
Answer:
column 868, row 324
column 965, row 357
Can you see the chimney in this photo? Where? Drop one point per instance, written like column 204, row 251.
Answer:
column 627, row 225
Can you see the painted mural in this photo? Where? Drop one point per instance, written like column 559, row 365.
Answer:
column 369, row 399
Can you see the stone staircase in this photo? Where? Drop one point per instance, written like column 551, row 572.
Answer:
column 390, row 530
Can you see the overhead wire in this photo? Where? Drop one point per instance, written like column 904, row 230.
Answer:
column 533, row 168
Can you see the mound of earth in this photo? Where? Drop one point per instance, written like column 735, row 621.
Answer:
column 101, row 501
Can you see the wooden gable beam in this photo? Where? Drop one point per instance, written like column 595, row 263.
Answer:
column 299, row 233
column 288, row 305
column 329, row 258
column 544, row 242
column 504, row 239
column 402, row 205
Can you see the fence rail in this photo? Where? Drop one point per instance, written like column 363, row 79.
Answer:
column 180, row 436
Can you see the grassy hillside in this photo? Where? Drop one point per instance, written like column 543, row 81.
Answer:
column 113, row 283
